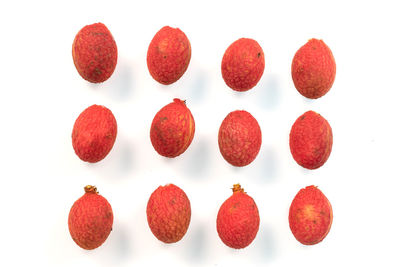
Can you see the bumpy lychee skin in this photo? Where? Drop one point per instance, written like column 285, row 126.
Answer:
column 239, row 138
column 243, row 64
column 238, row 219
column 311, row 140
column 90, row 219
column 94, row 133
column 310, row 216
column 168, row 213
column 95, row 53
column 168, row 55
column 172, row 129
column 313, row 69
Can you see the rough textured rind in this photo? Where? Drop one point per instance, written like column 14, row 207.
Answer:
column 168, row 55
column 243, row 64
column 313, row 69
column 168, row 213
column 310, row 216
column 94, row 133
column 95, row 53
column 311, row 140
column 239, row 138
column 90, row 219
column 172, row 129
column 238, row 219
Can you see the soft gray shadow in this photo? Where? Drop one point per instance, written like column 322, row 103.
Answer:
column 263, row 169
column 269, row 92
column 125, row 157
column 117, row 248
column 235, row 168
column 266, row 243
column 196, row 163
column 121, row 84
column 237, row 94
column 305, row 171
column 267, row 165
column 305, row 99
column 121, row 244
column 118, row 163
column 94, row 86
column 195, row 249
column 197, row 87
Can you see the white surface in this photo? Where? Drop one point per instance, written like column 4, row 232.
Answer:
column 42, row 94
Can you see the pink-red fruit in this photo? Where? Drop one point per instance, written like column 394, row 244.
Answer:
column 172, row 129
column 313, row 69
column 94, row 133
column 90, row 219
column 95, row 53
column 168, row 213
column 243, row 64
column 168, row 55
column 311, row 140
column 238, row 219
column 310, row 216
column 239, row 138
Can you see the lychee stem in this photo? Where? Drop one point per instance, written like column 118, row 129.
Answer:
column 237, row 188
column 177, row 100
column 91, row 189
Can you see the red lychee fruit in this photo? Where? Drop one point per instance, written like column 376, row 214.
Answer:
column 168, row 213
column 172, row 129
column 94, row 133
column 313, row 69
column 90, row 219
column 95, row 53
column 239, row 138
column 168, row 55
column 238, row 219
column 310, row 216
column 243, row 64
column 311, row 140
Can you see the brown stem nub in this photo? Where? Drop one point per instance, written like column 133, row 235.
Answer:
column 237, row 188
column 91, row 189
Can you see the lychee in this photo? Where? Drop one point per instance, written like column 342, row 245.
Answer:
column 238, row 219
column 243, row 64
column 313, row 69
column 310, row 216
column 311, row 140
column 168, row 213
column 90, row 219
column 239, row 138
column 172, row 129
column 168, row 55
column 95, row 53
column 94, row 133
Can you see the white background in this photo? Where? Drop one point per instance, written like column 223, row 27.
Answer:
column 41, row 95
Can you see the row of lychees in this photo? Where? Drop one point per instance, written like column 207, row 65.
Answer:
column 173, row 129
column 168, row 215
column 95, row 56
column 313, row 71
